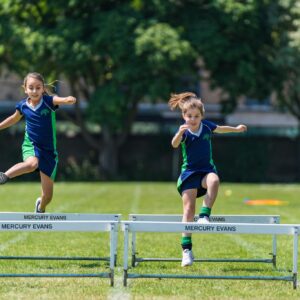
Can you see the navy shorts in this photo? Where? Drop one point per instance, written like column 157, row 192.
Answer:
column 48, row 160
column 193, row 182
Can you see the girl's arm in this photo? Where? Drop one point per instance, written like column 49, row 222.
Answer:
column 11, row 120
column 178, row 136
column 227, row 129
column 63, row 100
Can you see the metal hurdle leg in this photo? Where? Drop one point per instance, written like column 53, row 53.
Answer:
column 116, row 230
column 295, row 258
column 112, row 258
column 126, row 243
column 133, row 249
column 274, row 244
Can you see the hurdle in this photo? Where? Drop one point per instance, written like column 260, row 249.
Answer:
column 211, row 228
column 25, row 216
column 55, row 222
column 256, row 219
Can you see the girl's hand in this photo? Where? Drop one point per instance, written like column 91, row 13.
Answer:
column 178, row 136
column 183, row 128
column 241, row 128
column 70, row 100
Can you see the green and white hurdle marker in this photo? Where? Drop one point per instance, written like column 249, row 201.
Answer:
column 211, row 228
column 255, row 219
column 63, row 222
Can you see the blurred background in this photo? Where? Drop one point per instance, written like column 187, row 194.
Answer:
column 123, row 59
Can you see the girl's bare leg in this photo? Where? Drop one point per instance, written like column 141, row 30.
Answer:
column 47, row 191
column 210, row 182
column 189, row 206
column 27, row 166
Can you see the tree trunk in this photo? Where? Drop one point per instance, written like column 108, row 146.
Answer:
column 108, row 156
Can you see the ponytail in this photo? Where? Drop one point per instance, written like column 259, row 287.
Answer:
column 177, row 100
column 185, row 101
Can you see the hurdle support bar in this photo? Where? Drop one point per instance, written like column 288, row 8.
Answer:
column 256, row 219
column 26, row 216
column 211, row 228
column 63, row 226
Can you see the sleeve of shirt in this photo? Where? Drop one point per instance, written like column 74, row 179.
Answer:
column 49, row 101
column 212, row 126
column 19, row 107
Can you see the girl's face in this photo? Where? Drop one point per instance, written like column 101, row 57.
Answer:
column 34, row 88
column 192, row 118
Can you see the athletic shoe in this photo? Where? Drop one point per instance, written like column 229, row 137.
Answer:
column 3, row 178
column 37, row 206
column 187, row 258
column 203, row 220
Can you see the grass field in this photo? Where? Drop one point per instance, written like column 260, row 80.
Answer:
column 162, row 198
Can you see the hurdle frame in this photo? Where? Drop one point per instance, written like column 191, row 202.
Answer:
column 255, row 219
column 26, row 216
column 214, row 228
column 63, row 226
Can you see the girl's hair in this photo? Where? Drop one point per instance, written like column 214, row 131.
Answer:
column 40, row 78
column 185, row 101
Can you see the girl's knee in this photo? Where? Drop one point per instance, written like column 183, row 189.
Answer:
column 32, row 165
column 214, row 180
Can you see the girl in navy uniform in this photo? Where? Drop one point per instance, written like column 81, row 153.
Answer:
column 198, row 173
column 39, row 146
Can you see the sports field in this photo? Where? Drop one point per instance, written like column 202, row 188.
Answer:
column 156, row 198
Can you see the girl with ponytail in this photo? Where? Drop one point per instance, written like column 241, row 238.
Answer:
column 199, row 175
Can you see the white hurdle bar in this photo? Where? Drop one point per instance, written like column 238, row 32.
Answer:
column 211, row 228
column 255, row 219
column 25, row 216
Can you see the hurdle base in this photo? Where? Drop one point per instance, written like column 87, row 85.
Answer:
column 138, row 260
column 54, row 258
column 100, row 275
column 174, row 276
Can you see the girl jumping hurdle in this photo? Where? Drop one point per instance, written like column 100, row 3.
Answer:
column 199, row 175
column 39, row 146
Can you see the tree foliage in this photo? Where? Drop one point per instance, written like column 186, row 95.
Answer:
column 116, row 54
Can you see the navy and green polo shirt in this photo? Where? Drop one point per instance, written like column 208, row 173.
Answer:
column 40, row 133
column 197, row 152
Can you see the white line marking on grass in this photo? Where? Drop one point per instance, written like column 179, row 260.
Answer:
column 19, row 238
column 250, row 247
column 136, row 199
column 119, row 292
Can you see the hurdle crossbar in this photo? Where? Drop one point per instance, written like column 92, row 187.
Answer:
column 211, row 228
column 259, row 219
column 25, row 216
column 78, row 226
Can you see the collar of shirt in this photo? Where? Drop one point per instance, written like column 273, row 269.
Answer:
column 34, row 108
column 198, row 132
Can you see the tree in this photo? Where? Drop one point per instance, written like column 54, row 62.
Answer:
column 288, row 91
column 108, row 53
column 116, row 54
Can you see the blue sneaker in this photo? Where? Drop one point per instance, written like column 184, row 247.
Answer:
column 3, row 178
column 37, row 206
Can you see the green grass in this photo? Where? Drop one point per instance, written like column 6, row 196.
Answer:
column 126, row 198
